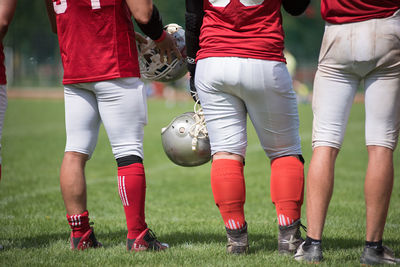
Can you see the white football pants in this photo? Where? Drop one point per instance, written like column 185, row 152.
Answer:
column 120, row 104
column 3, row 107
column 229, row 88
column 350, row 53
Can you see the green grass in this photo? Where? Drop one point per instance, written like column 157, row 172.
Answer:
column 179, row 206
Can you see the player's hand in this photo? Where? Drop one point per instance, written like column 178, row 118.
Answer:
column 167, row 46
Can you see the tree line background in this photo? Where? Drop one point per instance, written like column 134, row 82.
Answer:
column 32, row 52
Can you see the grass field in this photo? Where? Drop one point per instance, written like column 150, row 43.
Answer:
column 179, row 206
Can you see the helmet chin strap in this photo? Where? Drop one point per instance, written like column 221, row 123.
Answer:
column 198, row 129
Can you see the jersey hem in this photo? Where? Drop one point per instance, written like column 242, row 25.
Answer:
column 343, row 19
column 101, row 78
column 271, row 58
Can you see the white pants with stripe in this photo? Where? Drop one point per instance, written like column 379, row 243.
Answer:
column 366, row 51
column 120, row 104
column 229, row 88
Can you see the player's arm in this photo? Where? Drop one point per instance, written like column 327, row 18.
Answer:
column 193, row 21
column 295, row 7
column 7, row 9
column 51, row 15
column 149, row 21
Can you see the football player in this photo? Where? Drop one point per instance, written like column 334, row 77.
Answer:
column 7, row 9
column 236, row 62
column 361, row 42
column 101, row 84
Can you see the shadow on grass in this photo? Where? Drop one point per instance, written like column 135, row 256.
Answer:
column 40, row 241
column 258, row 242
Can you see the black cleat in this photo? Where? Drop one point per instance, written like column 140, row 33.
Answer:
column 374, row 256
column 237, row 240
column 88, row 240
column 289, row 238
column 147, row 240
column 311, row 253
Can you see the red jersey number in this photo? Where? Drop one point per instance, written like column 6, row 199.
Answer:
column 224, row 3
column 60, row 6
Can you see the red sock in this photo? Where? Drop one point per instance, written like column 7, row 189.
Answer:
column 287, row 188
column 227, row 183
column 79, row 223
column 132, row 190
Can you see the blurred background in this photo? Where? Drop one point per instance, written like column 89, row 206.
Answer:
column 33, row 59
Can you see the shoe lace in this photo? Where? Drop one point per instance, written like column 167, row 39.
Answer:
column 152, row 235
column 304, row 227
column 198, row 130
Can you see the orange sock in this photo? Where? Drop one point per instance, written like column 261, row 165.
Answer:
column 287, row 188
column 227, row 183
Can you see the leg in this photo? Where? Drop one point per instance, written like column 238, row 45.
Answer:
column 382, row 109
column 72, row 182
column 229, row 190
column 319, row 189
column 122, row 106
column 334, row 91
column 225, row 116
column 378, row 189
column 332, row 100
column 82, row 124
column 272, row 107
column 287, row 190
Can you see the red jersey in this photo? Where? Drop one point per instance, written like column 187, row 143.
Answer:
column 346, row 11
column 97, row 40
column 242, row 28
column 3, row 79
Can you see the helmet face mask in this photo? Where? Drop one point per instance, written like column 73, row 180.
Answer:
column 185, row 140
column 151, row 67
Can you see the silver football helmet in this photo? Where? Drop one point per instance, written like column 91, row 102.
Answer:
column 151, row 68
column 185, row 140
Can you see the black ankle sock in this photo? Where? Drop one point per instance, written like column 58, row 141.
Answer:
column 311, row 241
column 377, row 245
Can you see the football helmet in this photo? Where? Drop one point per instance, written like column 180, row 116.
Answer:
column 185, row 140
column 151, row 67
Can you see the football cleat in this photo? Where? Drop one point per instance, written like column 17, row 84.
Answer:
column 289, row 238
column 151, row 66
column 88, row 240
column 147, row 240
column 311, row 253
column 238, row 242
column 374, row 256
